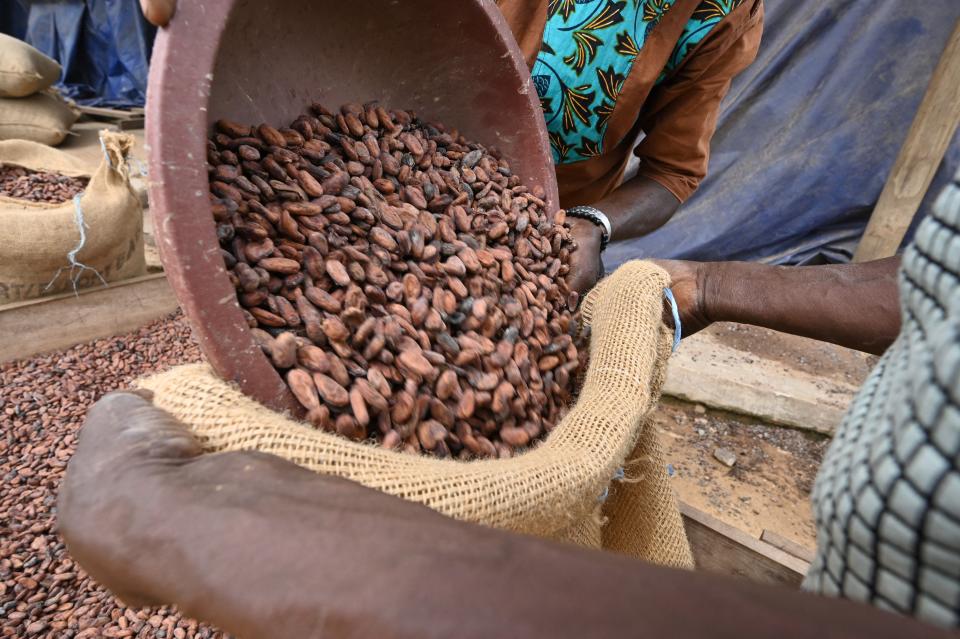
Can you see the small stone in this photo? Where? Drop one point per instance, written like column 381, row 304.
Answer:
column 700, row 409
column 725, row 456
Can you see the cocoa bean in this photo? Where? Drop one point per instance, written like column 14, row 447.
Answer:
column 283, row 351
column 323, row 300
column 359, row 407
column 416, row 363
column 279, row 265
column 271, row 136
column 330, row 391
column 337, row 272
column 430, row 433
column 335, row 330
column 302, row 385
column 313, row 358
column 338, row 370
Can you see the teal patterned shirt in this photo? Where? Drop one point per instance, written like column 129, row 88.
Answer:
column 588, row 50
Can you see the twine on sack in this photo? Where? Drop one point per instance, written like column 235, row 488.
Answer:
column 140, row 166
column 677, row 333
column 617, row 476
column 82, row 228
column 106, row 154
column 72, row 255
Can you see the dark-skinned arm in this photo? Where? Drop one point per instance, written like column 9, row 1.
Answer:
column 853, row 305
column 638, row 207
column 265, row 549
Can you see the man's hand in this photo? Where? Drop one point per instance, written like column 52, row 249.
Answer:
column 128, row 453
column 158, row 12
column 688, row 281
column 585, row 265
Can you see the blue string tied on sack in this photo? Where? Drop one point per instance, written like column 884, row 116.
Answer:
column 77, row 267
column 677, row 332
column 617, row 476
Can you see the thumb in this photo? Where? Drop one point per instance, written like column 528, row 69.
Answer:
column 158, row 12
column 124, row 427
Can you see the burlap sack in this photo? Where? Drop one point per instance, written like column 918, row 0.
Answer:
column 43, row 117
column 23, row 69
column 554, row 490
column 44, row 252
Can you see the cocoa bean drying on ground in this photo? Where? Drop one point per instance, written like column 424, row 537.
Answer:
column 39, row 186
column 404, row 282
column 43, row 400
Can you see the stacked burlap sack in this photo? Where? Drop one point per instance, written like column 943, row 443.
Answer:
column 94, row 239
column 561, row 489
column 29, row 108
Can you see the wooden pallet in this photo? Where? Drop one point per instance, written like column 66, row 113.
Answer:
column 60, row 321
column 123, row 118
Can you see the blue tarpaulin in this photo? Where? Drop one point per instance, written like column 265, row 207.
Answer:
column 808, row 134
column 103, row 45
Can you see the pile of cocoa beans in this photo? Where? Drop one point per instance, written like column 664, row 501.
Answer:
column 405, row 283
column 39, row 186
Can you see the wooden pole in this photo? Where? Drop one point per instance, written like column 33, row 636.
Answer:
column 920, row 156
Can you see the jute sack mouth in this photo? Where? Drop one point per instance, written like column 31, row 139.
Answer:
column 56, row 248
column 23, row 69
column 559, row 489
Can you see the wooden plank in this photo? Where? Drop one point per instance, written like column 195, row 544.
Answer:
column 787, row 545
column 719, row 547
column 61, row 321
column 131, row 124
column 781, row 404
column 107, row 112
column 705, row 370
column 920, row 156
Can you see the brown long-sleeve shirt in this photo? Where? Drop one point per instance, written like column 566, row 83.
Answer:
column 607, row 71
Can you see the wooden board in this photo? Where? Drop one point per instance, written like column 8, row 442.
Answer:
column 787, row 545
column 61, row 321
column 111, row 114
column 131, row 124
column 705, row 370
column 719, row 547
column 920, row 156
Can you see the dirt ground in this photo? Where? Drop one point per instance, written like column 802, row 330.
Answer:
column 769, row 485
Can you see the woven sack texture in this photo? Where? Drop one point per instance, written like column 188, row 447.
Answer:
column 44, row 117
column 553, row 490
column 39, row 238
column 23, row 69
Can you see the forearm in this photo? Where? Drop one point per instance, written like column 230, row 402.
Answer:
column 638, row 207
column 274, row 551
column 854, row 305
column 314, row 556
